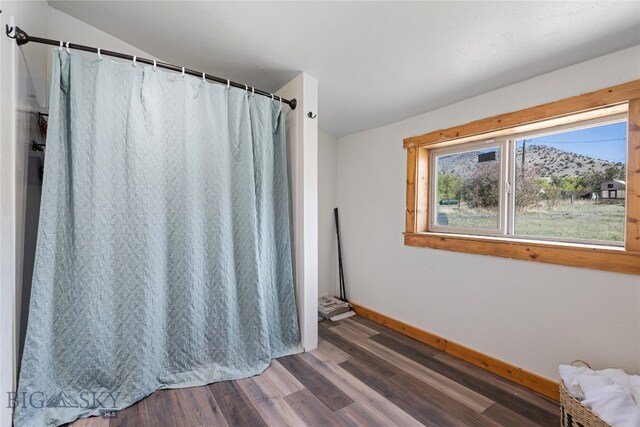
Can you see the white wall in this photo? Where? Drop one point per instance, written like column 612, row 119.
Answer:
column 67, row 28
column 302, row 161
column 533, row 315
column 327, row 201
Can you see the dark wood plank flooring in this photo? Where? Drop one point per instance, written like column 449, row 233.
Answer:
column 362, row 374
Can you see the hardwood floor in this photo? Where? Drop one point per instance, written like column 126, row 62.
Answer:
column 362, row 374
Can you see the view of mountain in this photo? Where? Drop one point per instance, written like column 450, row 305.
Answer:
column 548, row 161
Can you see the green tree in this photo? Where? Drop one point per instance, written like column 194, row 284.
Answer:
column 551, row 191
column 617, row 171
column 592, row 181
column 449, row 186
column 573, row 187
column 556, row 181
column 481, row 189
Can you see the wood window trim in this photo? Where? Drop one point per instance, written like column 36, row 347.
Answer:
column 623, row 260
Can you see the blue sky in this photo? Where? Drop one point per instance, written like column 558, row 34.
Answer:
column 607, row 142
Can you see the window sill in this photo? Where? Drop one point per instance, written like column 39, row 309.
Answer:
column 607, row 258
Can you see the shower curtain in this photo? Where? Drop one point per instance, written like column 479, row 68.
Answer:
column 163, row 257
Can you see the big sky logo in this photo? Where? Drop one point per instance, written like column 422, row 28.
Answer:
column 61, row 399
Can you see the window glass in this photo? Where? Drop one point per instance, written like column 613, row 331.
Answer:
column 467, row 191
column 571, row 185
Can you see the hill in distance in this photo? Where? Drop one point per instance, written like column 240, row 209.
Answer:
column 548, row 161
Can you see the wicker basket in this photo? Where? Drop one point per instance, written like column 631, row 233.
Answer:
column 574, row 414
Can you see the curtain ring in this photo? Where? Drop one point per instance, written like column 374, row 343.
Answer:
column 183, row 72
column 60, row 48
column 134, row 60
column 99, row 55
column 204, row 78
column 271, row 97
column 155, row 68
column 246, row 89
column 228, row 84
column 67, row 46
column 280, row 98
column 253, row 91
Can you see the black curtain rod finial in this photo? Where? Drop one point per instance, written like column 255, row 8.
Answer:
column 21, row 37
column 18, row 35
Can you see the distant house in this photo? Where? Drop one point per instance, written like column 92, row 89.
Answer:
column 614, row 189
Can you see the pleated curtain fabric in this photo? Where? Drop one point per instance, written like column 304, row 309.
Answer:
column 163, row 257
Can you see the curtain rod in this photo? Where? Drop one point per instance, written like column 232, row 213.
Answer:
column 22, row 37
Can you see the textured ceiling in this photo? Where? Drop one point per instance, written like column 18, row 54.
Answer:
column 376, row 62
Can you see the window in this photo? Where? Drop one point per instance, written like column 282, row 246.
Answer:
column 556, row 183
column 467, row 187
column 542, row 185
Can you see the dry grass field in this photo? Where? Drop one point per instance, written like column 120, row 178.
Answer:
column 578, row 220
